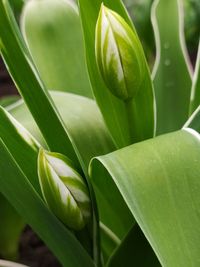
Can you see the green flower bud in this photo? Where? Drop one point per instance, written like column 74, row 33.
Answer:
column 63, row 189
column 119, row 55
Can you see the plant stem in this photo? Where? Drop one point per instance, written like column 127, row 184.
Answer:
column 133, row 123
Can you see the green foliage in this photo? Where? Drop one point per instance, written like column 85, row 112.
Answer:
column 54, row 46
column 171, row 73
column 91, row 176
column 139, row 11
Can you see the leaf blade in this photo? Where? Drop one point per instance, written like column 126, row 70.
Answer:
column 171, row 73
column 54, row 38
column 162, row 194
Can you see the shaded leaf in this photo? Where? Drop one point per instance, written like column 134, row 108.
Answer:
column 172, row 77
column 52, row 31
column 134, row 250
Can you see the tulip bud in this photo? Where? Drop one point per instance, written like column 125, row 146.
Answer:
column 63, row 189
column 119, row 55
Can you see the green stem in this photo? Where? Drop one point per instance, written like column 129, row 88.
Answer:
column 89, row 237
column 133, row 123
column 96, row 232
column 115, row 239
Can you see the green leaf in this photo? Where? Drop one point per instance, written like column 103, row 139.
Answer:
column 134, row 250
column 109, row 241
column 22, row 145
column 109, row 210
column 194, row 120
column 83, row 121
column 172, row 74
column 87, row 130
column 8, row 100
column 24, row 149
column 11, row 227
column 115, row 112
column 195, row 94
column 140, row 14
column 23, row 71
column 162, row 194
column 84, row 124
column 27, row 202
column 17, row 5
column 52, row 31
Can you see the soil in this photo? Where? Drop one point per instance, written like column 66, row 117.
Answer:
column 6, row 85
column 33, row 251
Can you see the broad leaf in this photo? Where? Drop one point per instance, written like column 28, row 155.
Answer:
column 162, row 194
column 83, row 122
column 171, row 72
column 52, row 31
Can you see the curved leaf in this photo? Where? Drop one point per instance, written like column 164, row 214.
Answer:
column 52, row 31
column 83, row 122
column 21, row 145
column 171, row 72
column 162, row 194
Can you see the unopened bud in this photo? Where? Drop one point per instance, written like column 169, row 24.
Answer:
column 119, row 55
column 64, row 190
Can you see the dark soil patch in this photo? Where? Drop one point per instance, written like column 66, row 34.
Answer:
column 33, row 251
column 7, row 86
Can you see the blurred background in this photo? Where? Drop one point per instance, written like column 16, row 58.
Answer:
column 140, row 12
